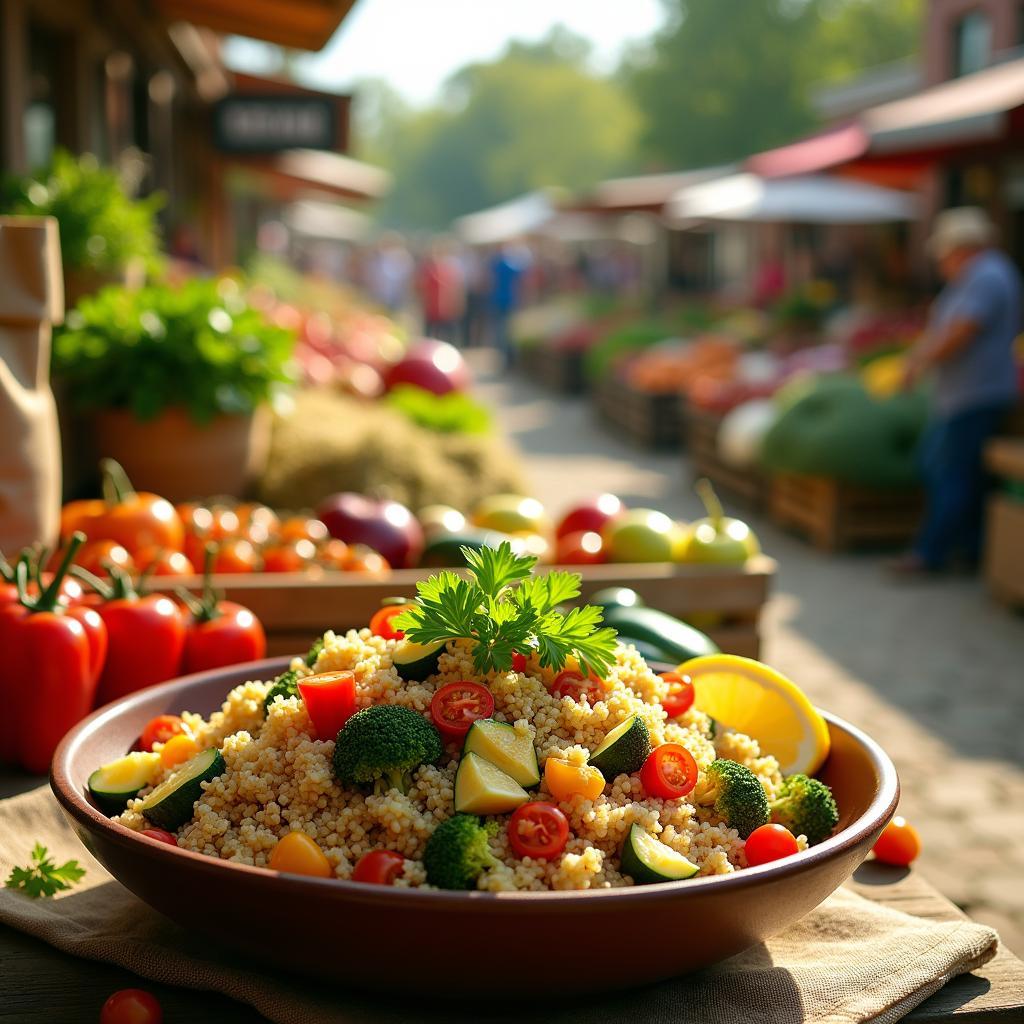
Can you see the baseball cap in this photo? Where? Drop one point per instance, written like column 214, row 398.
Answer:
column 960, row 226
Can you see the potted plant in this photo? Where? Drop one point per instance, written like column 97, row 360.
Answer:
column 105, row 234
column 177, row 380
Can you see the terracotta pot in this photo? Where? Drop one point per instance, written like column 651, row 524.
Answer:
column 180, row 459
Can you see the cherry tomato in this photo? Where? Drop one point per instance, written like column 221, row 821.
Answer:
column 583, row 548
column 161, row 836
column 224, row 524
column 161, row 562
column 366, row 561
column 235, row 555
column 768, row 843
column 330, row 699
column 135, row 519
column 457, row 706
column 518, row 662
column 79, row 515
column 380, row 624
column 131, row 1006
column 97, row 556
column 177, row 750
column 539, row 830
column 160, row 730
column 304, row 528
column 290, row 556
column 669, row 772
column 899, row 844
column 333, row 553
column 232, row 636
column 257, row 522
column 571, row 683
column 300, row 854
column 679, row 699
column 379, row 867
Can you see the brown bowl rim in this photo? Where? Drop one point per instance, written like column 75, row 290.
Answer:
column 879, row 810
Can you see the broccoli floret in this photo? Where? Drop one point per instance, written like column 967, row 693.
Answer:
column 314, row 652
column 457, row 852
column 806, row 807
column 285, row 685
column 736, row 794
column 383, row 745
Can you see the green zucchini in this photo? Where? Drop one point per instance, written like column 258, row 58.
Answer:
column 117, row 782
column 646, row 859
column 417, row 661
column 616, row 597
column 623, row 750
column 173, row 802
column 499, row 743
column 675, row 639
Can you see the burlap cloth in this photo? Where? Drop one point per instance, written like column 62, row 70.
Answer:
column 849, row 961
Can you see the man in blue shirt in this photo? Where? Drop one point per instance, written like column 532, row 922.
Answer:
column 969, row 348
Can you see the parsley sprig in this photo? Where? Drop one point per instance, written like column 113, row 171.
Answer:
column 504, row 608
column 42, row 877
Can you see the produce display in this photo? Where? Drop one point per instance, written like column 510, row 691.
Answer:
column 486, row 741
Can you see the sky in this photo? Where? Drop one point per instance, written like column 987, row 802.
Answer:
column 416, row 44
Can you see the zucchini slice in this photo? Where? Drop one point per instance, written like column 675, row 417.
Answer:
column 499, row 743
column 646, row 859
column 173, row 802
column 112, row 785
column 483, row 788
column 417, row 661
column 623, row 750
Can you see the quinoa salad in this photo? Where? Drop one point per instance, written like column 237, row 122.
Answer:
column 427, row 771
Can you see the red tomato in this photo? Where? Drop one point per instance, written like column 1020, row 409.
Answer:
column 232, row 636
column 333, row 554
column 584, row 548
column 131, row 1006
column 161, row 562
column 161, row 836
column 768, row 843
column 330, row 699
column 669, row 772
column 570, row 683
column 379, row 867
column 366, row 561
column 235, row 555
column 290, row 556
column 97, row 556
column 680, row 694
column 538, row 830
column 899, row 844
column 380, row 624
column 223, row 524
column 457, row 706
column 304, row 528
column 518, row 662
column 160, row 730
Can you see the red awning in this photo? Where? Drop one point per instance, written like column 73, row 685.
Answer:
column 808, row 156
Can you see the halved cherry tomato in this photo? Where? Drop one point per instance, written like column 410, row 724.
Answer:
column 161, row 835
column 330, row 699
column 379, row 867
column 768, row 843
column 160, row 730
column 518, row 662
column 380, row 624
column 457, row 706
column 299, row 854
column 161, row 562
column 679, row 699
column 289, row 556
column 669, row 772
column 304, row 528
column 570, row 683
column 539, row 830
column 131, row 1006
column 235, row 555
column 565, row 780
column 177, row 750
column 899, row 844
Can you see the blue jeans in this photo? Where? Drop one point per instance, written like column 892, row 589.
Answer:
column 955, row 481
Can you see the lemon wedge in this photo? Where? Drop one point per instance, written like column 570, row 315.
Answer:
column 752, row 698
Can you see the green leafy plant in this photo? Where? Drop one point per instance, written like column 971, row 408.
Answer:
column 42, row 877
column 602, row 356
column 504, row 608
column 102, row 228
column 454, row 413
column 200, row 347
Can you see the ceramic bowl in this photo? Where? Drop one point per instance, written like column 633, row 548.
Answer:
column 318, row 926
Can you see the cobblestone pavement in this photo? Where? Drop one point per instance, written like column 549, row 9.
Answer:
column 934, row 671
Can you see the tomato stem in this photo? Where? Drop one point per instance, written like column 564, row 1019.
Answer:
column 47, row 600
column 710, row 501
column 6, row 570
column 116, row 485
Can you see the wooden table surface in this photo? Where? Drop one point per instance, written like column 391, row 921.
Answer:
column 39, row 985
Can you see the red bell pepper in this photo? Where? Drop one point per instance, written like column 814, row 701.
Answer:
column 330, row 699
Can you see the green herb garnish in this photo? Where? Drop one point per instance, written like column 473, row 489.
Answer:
column 504, row 609
column 43, row 877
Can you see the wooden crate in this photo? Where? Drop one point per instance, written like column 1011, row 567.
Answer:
column 649, row 420
column 835, row 516
column 749, row 485
column 295, row 608
column 1004, row 550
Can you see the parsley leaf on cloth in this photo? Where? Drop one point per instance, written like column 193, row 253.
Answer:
column 43, row 877
column 503, row 608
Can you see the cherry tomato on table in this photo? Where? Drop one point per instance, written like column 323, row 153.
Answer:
column 679, row 699
column 160, row 730
column 899, row 844
column 768, row 843
column 456, row 706
column 131, row 1006
column 571, row 683
column 380, row 624
column 539, row 830
column 379, row 867
column 161, row 835
column 669, row 772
